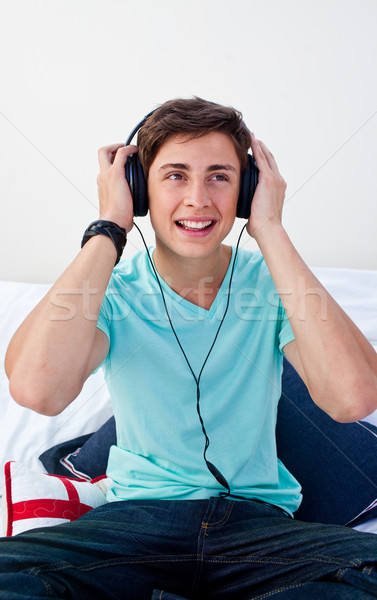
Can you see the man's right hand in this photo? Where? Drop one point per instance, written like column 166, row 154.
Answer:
column 115, row 201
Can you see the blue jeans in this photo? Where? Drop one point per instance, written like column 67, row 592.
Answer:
column 193, row 549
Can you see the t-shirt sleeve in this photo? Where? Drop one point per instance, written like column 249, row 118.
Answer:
column 286, row 334
column 103, row 323
column 104, row 317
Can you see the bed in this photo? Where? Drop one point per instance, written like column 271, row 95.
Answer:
column 348, row 452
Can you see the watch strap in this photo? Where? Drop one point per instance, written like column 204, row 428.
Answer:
column 110, row 229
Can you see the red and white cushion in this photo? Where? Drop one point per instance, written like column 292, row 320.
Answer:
column 35, row 499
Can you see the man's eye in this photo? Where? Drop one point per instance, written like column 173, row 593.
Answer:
column 220, row 177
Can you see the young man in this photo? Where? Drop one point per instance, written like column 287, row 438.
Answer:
column 200, row 505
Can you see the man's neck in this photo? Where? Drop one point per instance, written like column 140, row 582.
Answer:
column 196, row 279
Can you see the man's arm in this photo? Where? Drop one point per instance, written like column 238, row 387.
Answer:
column 329, row 352
column 58, row 345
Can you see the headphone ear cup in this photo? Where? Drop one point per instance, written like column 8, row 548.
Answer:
column 249, row 182
column 137, row 184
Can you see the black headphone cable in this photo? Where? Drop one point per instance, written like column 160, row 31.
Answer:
column 211, row 467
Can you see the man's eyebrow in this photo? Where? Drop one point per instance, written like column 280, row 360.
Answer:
column 222, row 168
column 181, row 166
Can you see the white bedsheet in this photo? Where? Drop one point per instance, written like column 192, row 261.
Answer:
column 24, row 433
column 356, row 292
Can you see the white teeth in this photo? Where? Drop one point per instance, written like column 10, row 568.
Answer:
column 195, row 224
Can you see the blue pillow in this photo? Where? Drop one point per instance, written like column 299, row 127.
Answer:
column 335, row 463
column 84, row 457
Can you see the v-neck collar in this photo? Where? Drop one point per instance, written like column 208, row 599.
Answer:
column 198, row 310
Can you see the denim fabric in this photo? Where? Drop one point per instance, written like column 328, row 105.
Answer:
column 194, row 549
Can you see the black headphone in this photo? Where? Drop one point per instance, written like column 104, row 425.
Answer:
column 139, row 190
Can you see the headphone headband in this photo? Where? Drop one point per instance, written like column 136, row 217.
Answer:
column 136, row 129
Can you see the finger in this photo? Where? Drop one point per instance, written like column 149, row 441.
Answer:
column 120, row 158
column 270, row 158
column 258, row 153
column 106, row 154
column 121, row 154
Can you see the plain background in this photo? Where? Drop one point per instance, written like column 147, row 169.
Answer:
column 79, row 74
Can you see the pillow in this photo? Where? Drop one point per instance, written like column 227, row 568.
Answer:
column 369, row 514
column 35, row 499
column 335, row 463
column 84, row 457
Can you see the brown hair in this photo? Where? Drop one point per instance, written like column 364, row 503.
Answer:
column 195, row 117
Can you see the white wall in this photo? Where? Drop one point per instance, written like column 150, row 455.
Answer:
column 78, row 74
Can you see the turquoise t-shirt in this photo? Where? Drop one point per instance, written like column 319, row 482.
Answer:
column 160, row 443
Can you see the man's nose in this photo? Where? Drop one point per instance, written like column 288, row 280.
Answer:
column 197, row 195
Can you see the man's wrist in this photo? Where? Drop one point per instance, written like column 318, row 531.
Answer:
column 269, row 232
column 118, row 217
column 108, row 229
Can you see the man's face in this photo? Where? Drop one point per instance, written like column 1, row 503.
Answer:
column 193, row 189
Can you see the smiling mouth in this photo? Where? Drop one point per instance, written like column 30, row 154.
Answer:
column 194, row 225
